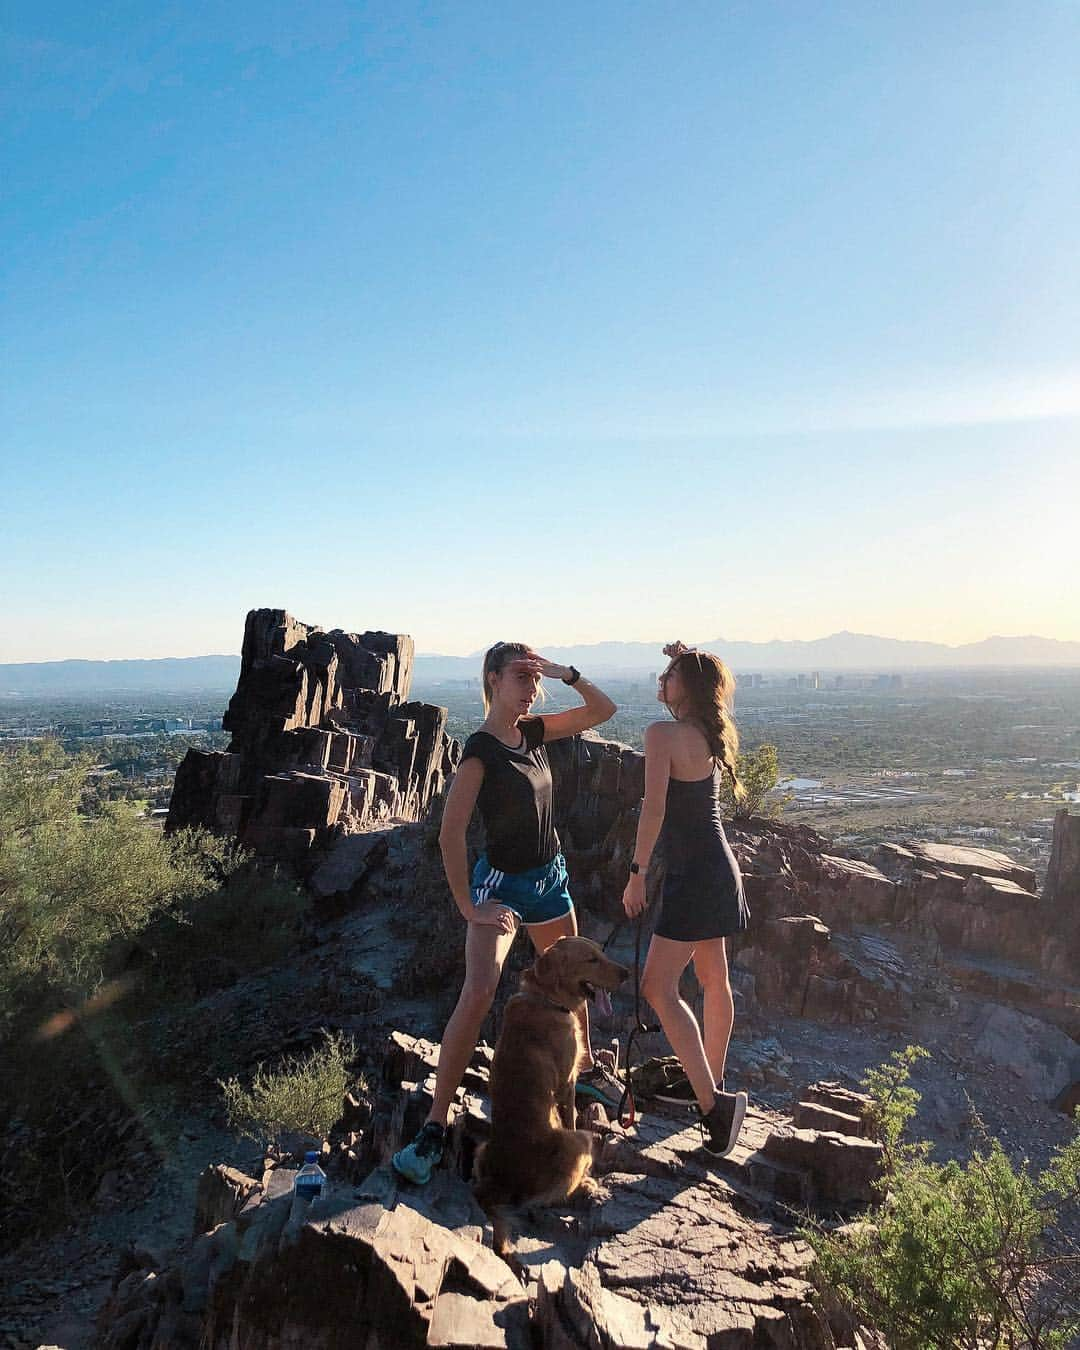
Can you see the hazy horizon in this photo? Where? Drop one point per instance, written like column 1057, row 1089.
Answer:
column 554, row 644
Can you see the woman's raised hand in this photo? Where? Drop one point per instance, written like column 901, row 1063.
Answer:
column 551, row 670
column 675, row 648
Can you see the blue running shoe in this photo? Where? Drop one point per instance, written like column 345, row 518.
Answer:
column 416, row 1161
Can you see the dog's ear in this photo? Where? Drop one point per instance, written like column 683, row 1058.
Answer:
column 546, row 968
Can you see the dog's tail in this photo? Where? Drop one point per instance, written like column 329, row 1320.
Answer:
column 494, row 1207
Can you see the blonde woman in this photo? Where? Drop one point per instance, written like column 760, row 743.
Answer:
column 521, row 877
column 703, row 901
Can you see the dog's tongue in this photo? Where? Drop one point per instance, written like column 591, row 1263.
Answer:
column 603, row 1002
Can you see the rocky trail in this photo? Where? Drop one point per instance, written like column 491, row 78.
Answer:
column 54, row 1291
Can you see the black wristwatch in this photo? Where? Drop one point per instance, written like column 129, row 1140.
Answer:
column 635, row 868
column 573, row 677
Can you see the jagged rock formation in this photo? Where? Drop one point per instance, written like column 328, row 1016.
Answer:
column 324, row 741
column 1062, row 890
column 675, row 1250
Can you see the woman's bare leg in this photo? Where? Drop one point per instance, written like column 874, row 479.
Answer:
column 544, row 935
column 486, row 950
column 711, row 969
column 664, row 964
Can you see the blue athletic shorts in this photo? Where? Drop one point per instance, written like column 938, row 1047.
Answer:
column 536, row 896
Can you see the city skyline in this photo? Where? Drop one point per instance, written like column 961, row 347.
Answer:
column 834, row 651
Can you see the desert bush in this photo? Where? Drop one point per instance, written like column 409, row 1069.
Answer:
column 759, row 771
column 968, row 1256
column 108, row 931
column 302, row 1095
column 83, row 882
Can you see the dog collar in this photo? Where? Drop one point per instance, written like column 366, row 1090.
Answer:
column 533, row 993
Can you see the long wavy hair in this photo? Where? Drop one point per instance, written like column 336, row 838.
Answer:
column 496, row 658
column 710, row 695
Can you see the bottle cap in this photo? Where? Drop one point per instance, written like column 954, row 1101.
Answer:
column 311, row 1157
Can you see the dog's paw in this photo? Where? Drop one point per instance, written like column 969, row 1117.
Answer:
column 587, row 1192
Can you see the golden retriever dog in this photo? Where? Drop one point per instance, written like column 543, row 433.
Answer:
column 535, row 1155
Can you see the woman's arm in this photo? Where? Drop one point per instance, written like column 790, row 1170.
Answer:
column 596, row 706
column 657, row 773
column 460, row 802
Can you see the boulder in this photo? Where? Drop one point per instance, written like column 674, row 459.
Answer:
column 1041, row 1056
column 348, row 861
column 221, row 1193
column 844, row 1169
column 799, row 965
column 958, row 859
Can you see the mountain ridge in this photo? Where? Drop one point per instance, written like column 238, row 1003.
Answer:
column 844, row 650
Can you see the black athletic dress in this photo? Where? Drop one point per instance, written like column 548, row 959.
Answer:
column 703, row 894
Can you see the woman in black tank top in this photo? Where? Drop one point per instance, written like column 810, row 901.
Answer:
column 522, row 876
column 703, row 900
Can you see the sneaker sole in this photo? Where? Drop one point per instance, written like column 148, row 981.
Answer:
column 741, row 1102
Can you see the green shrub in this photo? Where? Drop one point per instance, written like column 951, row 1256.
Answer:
column 956, row 1256
column 109, row 932
column 72, row 883
column 303, row 1095
column 759, row 771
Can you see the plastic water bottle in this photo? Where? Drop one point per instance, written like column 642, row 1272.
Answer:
column 311, row 1179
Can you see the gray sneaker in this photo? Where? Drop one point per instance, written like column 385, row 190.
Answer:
column 416, row 1161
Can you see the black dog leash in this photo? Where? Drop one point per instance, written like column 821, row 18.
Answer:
column 627, row 1109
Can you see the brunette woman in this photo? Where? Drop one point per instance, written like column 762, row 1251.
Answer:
column 703, row 901
column 521, row 878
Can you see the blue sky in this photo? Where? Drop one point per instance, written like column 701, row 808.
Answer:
column 569, row 321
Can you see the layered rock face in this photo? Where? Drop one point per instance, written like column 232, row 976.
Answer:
column 672, row 1249
column 324, row 741
column 814, row 946
column 1062, row 891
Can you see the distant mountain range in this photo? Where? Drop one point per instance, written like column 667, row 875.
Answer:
column 839, row 651
column 171, row 674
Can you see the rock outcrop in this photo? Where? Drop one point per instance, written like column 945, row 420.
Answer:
column 815, row 945
column 324, row 742
column 1062, row 891
column 672, row 1250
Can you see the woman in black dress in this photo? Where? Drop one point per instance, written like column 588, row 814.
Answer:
column 703, row 900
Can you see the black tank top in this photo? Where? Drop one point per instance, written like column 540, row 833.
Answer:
column 515, row 798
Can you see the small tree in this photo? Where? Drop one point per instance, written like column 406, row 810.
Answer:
column 956, row 1257
column 759, row 771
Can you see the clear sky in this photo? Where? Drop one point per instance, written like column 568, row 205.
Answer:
column 563, row 321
